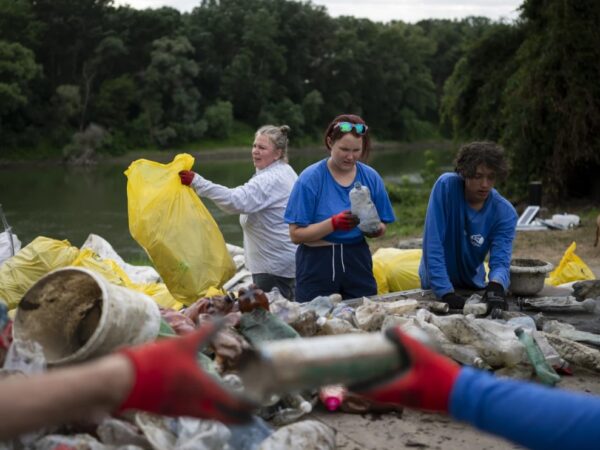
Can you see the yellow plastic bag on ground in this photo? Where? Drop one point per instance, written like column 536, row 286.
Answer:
column 115, row 274
column 570, row 268
column 396, row 269
column 172, row 224
column 31, row 263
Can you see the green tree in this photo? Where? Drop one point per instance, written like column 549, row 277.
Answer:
column 553, row 99
column 17, row 70
column 219, row 119
column 284, row 112
column 170, row 99
column 474, row 93
column 117, row 102
column 17, row 23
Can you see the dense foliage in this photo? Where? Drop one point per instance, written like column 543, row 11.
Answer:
column 83, row 76
column 534, row 87
column 157, row 77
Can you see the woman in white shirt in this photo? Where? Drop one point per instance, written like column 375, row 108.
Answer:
column 261, row 202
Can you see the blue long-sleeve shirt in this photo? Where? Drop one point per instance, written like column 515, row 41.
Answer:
column 535, row 416
column 457, row 238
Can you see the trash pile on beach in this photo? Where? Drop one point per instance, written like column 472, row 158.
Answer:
column 527, row 343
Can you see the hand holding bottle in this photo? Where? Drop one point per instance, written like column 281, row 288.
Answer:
column 428, row 382
column 344, row 221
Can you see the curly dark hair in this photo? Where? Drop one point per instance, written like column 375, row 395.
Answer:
column 472, row 155
column 335, row 134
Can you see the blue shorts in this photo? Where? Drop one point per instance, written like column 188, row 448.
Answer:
column 346, row 269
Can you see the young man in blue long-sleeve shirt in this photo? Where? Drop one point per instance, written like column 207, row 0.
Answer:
column 467, row 219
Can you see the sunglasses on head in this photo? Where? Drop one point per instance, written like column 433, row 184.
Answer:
column 346, row 127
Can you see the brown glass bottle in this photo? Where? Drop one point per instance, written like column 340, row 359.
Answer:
column 251, row 298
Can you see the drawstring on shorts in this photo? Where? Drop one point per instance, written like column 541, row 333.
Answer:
column 333, row 260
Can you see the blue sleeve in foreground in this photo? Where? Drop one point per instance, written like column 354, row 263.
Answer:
column 535, row 416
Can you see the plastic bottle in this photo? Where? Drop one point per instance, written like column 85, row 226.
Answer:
column 543, row 370
column 362, row 205
column 332, row 396
column 321, row 305
column 297, row 406
column 474, row 305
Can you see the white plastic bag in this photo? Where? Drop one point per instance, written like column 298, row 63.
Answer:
column 6, row 250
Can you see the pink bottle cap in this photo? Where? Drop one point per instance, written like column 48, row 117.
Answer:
column 332, row 403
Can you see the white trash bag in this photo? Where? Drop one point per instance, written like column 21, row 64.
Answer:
column 6, row 249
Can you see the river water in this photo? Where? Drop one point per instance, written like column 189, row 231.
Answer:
column 71, row 202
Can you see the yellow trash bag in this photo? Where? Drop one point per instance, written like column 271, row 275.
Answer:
column 172, row 224
column 160, row 294
column 115, row 274
column 396, row 269
column 570, row 268
column 31, row 263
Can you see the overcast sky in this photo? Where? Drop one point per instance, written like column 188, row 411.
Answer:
column 383, row 10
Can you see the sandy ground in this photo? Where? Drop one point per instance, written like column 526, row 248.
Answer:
column 413, row 429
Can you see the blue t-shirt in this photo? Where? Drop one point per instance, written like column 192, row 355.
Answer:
column 316, row 196
column 537, row 417
column 457, row 238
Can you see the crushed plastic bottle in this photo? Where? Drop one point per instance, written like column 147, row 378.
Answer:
column 286, row 310
column 343, row 311
column 474, row 305
column 335, row 326
column 296, row 406
column 362, row 206
column 250, row 435
column 322, row 305
column 525, row 322
column 332, row 396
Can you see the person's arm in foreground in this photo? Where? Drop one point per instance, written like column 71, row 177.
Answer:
column 162, row 377
column 528, row 414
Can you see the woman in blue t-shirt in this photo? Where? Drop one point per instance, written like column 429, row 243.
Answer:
column 333, row 255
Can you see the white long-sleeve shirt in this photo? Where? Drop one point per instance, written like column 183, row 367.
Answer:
column 261, row 203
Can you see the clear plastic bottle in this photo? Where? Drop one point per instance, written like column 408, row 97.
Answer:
column 321, row 305
column 362, row 205
column 332, row 396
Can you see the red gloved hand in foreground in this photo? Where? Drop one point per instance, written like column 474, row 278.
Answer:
column 427, row 383
column 169, row 381
column 344, row 221
column 187, row 176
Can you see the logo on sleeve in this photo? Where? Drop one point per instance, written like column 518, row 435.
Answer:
column 477, row 240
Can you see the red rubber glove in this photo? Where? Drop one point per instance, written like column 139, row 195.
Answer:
column 344, row 221
column 187, row 176
column 169, row 381
column 426, row 384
